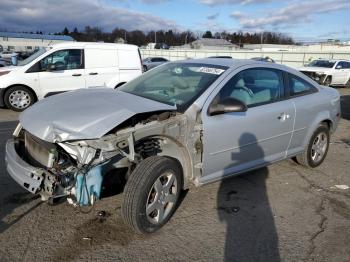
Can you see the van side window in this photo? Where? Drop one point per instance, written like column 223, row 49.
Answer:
column 298, row 86
column 63, row 60
column 255, row 86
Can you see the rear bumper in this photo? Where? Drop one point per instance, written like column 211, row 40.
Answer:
column 27, row 176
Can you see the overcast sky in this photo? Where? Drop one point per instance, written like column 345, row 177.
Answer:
column 302, row 19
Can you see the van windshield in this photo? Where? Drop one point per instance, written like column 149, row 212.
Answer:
column 175, row 83
column 32, row 57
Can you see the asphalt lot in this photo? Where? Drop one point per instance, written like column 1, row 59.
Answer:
column 281, row 213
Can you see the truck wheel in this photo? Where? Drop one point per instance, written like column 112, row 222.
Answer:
column 317, row 148
column 18, row 98
column 151, row 194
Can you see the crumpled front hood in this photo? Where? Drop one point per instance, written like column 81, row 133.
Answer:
column 84, row 114
column 314, row 69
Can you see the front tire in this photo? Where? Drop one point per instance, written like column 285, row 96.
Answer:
column 317, row 148
column 18, row 98
column 151, row 194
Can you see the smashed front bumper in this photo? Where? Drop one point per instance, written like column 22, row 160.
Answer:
column 27, row 176
column 318, row 77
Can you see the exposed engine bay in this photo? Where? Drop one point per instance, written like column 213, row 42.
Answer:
column 77, row 168
column 318, row 77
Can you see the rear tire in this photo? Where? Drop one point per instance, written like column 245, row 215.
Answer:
column 18, row 98
column 317, row 148
column 151, row 194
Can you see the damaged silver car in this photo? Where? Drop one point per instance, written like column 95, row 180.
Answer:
column 184, row 123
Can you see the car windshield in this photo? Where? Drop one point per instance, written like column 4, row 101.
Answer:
column 175, row 83
column 32, row 57
column 322, row 63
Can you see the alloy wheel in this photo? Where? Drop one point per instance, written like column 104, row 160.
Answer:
column 161, row 198
column 319, row 147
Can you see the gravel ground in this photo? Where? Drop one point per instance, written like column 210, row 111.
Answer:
column 281, row 213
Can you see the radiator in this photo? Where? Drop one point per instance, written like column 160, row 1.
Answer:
column 39, row 151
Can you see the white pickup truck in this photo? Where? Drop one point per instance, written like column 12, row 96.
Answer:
column 328, row 72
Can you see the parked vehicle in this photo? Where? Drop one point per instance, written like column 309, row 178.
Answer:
column 221, row 56
column 328, row 72
column 183, row 123
column 152, row 62
column 264, row 59
column 161, row 46
column 5, row 62
column 65, row 67
column 7, row 54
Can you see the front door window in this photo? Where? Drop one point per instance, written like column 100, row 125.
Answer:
column 63, row 60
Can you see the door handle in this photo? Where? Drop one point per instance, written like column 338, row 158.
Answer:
column 93, row 73
column 283, row 117
column 76, row 75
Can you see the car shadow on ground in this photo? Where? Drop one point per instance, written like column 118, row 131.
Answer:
column 345, row 106
column 12, row 196
column 243, row 205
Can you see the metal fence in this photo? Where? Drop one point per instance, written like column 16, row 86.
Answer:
column 293, row 59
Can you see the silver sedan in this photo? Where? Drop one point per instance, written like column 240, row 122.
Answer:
column 152, row 62
column 183, row 123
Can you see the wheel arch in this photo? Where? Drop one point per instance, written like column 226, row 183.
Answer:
column 173, row 149
column 329, row 124
column 322, row 118
column 22, row 85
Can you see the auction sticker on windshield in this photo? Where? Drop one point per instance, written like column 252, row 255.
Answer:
column 209, row 70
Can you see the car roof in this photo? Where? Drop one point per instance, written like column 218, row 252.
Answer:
column 151, row 57
column 235, row 63
column 333, row 60
column 94, row 45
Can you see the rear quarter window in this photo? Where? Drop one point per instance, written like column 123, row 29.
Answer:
column 298, row 86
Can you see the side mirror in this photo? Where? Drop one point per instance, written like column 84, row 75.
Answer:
column 228, row 105
column 51, row 67
column 338, row 67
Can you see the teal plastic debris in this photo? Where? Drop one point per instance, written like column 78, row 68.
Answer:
column 84, row 193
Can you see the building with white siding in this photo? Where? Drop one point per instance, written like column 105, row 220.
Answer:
column 29, row 42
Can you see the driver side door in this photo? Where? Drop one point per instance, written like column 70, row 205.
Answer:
column 238, row 141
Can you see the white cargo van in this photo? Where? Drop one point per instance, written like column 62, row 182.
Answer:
column 65, row 67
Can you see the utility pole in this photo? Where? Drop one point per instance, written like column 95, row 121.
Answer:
column 261, row 40
column 155, row 37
